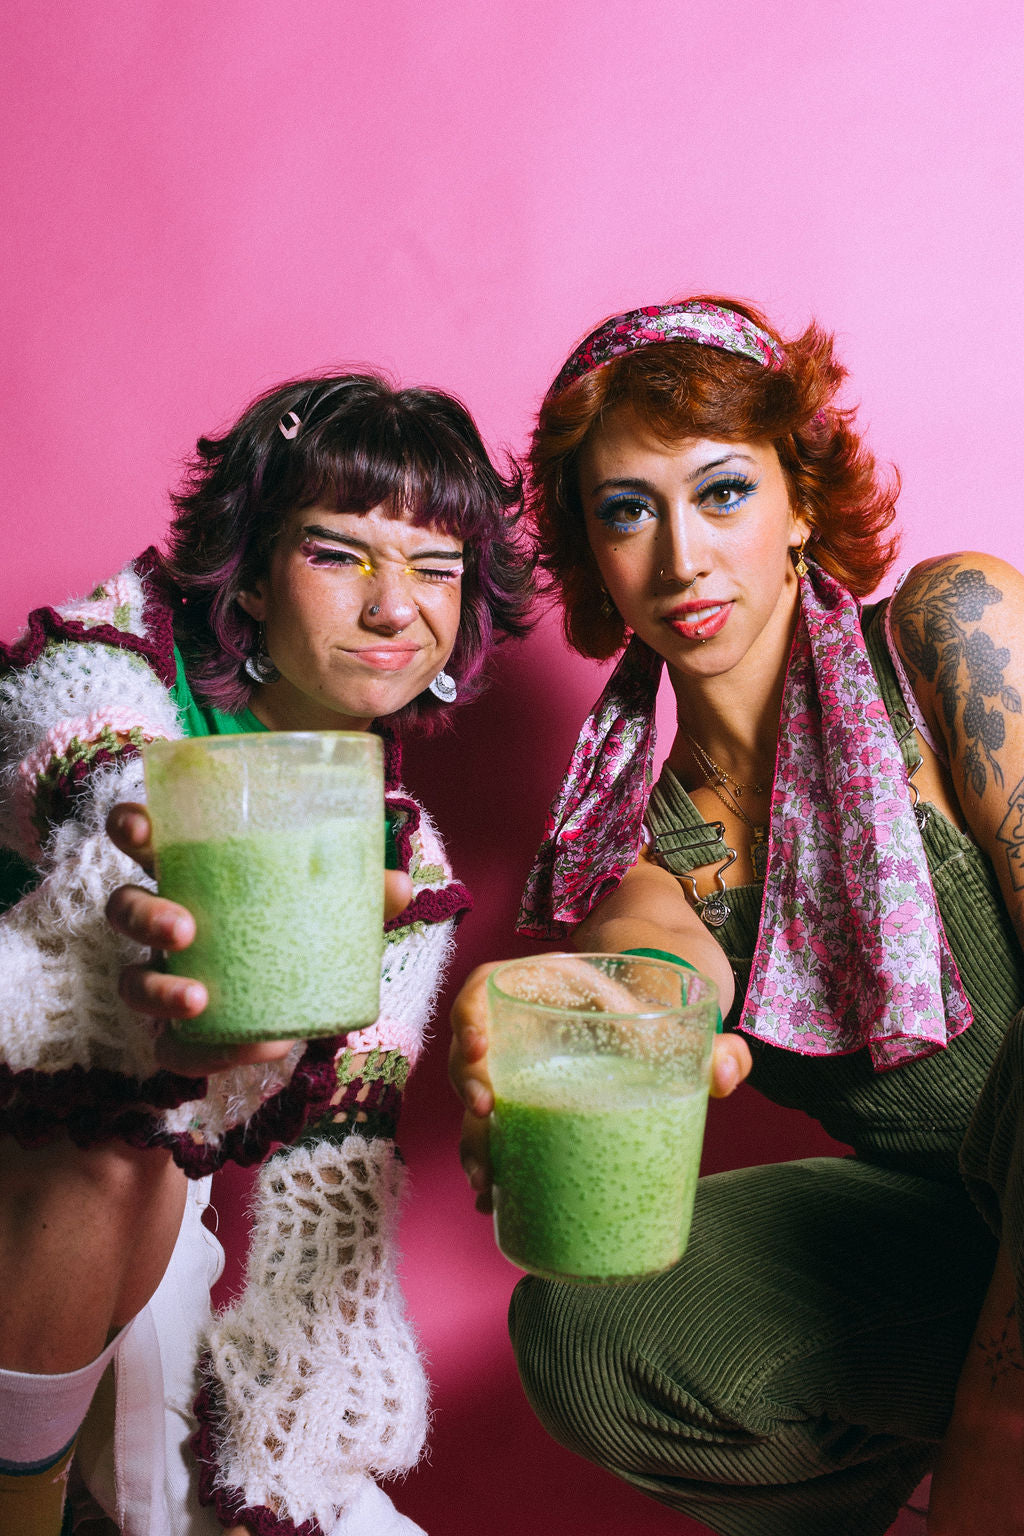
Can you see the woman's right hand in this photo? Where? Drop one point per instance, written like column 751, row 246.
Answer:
column 467, row 1070
column 163, row 925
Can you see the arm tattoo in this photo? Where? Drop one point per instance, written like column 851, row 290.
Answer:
column 1001, row 1351
column 937, row 642
column 1011, row 833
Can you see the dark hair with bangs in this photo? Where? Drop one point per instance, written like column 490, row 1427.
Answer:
column 361, row 444
column 681, row 389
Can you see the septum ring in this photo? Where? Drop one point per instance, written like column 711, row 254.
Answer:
column 684, row 584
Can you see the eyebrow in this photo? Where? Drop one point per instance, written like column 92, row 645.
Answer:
column 647, row 485
column 319, row 532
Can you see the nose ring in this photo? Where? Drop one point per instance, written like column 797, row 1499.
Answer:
column 684, row 584
column 374, row 610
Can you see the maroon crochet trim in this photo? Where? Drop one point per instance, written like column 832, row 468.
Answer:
column 94, row 1105
column 374, row 1117
column 228, row 1503
column 156, row 645
column 427, row 906
column 434, row 907
column 305, row 1097
column 91, row 1104
column 406, row 824
column 56, row 798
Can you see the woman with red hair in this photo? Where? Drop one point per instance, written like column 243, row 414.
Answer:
column 836, row 839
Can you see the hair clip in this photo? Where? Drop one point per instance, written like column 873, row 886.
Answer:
column 289, row 425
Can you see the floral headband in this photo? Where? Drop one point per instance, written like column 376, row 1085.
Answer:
column 694, row 320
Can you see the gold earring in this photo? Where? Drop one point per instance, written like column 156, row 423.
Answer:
column 801, row 563
column 607, row 606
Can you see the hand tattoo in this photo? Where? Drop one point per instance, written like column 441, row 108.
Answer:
column 1002, row 1350
column 937, row 641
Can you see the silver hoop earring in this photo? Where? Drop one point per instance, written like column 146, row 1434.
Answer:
column 444, row 688
column 258, row 664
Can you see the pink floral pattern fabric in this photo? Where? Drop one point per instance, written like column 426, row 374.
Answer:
column 593, row 829
column 710, row 325
column 851, row 951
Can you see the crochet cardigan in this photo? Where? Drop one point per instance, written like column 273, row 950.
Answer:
column 81, row 691
column 311, row 1385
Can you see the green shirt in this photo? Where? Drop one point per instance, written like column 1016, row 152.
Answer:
column 198, row 719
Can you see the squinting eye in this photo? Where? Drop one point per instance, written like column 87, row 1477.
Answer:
column 443, row 573
column 622, row 512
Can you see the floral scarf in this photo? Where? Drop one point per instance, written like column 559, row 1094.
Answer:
column 850, row 950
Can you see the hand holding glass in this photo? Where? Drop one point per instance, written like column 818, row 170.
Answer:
column 275, row 844
column 600, row 1066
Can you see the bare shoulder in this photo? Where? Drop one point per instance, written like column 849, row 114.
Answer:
column 957, row 622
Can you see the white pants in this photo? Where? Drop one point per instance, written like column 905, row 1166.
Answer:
column 133, row 1448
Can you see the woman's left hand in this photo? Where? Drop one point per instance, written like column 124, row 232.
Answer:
column 152, row 920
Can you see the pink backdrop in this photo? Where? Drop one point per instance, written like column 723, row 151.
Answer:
column 202, row 199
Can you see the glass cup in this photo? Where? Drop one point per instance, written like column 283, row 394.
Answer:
column 600, row 1066
column 275, row 844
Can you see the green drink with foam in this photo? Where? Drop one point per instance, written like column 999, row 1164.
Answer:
column 600, row 1066
column 275, row 844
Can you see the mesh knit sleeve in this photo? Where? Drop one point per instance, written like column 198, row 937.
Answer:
column 80, row 693
column 313, row 1386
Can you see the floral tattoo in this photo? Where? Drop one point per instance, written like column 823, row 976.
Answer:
column 967, row 669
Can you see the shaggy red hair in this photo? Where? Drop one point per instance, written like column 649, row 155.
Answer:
column 681, row 389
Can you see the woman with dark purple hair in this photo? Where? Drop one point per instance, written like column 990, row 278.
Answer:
column 344, row 557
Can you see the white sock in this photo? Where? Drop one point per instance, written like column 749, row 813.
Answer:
column 40, row 1415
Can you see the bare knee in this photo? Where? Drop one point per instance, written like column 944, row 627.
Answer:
column 85, row 1237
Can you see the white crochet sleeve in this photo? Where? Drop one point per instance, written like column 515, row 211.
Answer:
column 66, row 717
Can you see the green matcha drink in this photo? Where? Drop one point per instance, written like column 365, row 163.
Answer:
column 600, row 1065
column 275, row 844
column 284, row 923
column 595, row 1168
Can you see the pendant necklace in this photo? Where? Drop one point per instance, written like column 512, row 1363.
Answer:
column 722, row 784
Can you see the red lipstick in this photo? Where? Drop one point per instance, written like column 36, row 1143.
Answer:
column 688, row 622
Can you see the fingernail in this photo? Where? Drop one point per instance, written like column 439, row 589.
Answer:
column 178, row 931
column 475, row 1175
column 479, row 1100
column 194, row 997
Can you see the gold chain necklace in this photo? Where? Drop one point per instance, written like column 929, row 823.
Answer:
column 715, row 770
column 718, row 781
